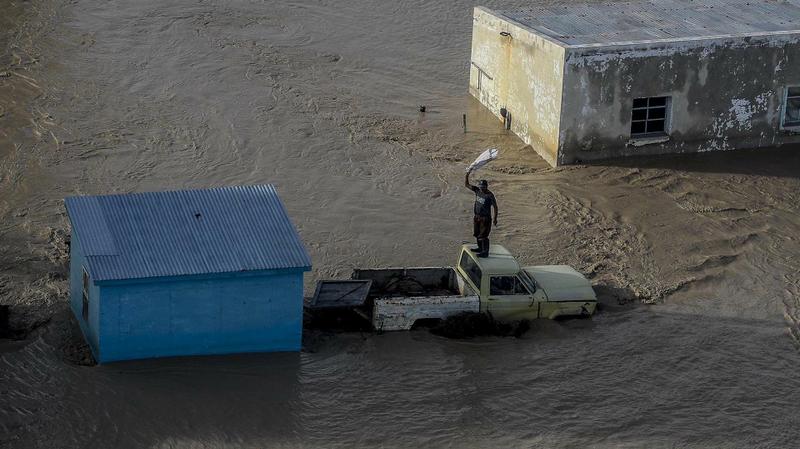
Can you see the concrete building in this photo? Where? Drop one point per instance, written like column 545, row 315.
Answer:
column 189, row 272
column 590, row 81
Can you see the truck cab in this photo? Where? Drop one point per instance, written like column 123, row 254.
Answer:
column 511, row 292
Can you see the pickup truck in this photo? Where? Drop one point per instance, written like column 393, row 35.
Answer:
column 397, row 298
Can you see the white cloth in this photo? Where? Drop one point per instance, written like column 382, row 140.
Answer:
column 485, row 157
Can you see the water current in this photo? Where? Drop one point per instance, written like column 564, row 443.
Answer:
column 696, row 257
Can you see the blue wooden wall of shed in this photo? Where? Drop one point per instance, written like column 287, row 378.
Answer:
column 77, row 264
column 211, row 315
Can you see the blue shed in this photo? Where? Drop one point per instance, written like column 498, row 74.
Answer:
column 208, row 271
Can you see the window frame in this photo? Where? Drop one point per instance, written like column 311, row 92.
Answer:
column 517, row 283
column 667, row 118
column 470, row 273
column 785, row 107
column 85, row 295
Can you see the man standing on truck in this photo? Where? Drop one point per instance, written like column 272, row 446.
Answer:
column 485, row 204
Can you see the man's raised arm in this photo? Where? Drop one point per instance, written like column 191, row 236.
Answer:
column 467, row 184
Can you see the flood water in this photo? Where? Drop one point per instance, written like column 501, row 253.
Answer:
column 321, row 98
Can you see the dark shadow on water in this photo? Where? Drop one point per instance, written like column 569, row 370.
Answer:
column 466, row 325
column 206, row 401
column 781, row 162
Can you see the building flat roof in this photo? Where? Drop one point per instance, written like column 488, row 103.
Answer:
column 607, row 23
column 187, row 232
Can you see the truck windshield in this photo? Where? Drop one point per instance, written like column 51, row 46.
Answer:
column 527, row 280
column 471, row 269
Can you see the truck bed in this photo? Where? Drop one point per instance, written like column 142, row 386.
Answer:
column 407, row 282
column 399, row 297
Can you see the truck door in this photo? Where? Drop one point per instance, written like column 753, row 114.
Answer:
column 509, row 299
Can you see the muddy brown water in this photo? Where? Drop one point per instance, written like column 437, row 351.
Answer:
column 321, row 98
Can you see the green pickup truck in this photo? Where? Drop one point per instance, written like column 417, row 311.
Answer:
column 397, row 298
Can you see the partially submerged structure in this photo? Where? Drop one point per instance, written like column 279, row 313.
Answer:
column 189, row 272
column 581, row 82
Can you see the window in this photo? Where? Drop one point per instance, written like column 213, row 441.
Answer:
column 649, row 116
column 791, row 115
column 471, row 268
column 506, row 285
column 85, row 311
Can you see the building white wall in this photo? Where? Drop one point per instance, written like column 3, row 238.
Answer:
column 524, row 75
column 573, row 103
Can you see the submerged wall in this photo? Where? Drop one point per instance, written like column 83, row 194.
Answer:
column 189, row 316
column 726, row 93
column 89, row 326
column 521, row 72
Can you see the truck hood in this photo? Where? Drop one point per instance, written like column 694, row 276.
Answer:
column 562, row 283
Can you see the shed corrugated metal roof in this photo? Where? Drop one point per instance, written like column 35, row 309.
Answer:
column 605, row 23
column 188, row 232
